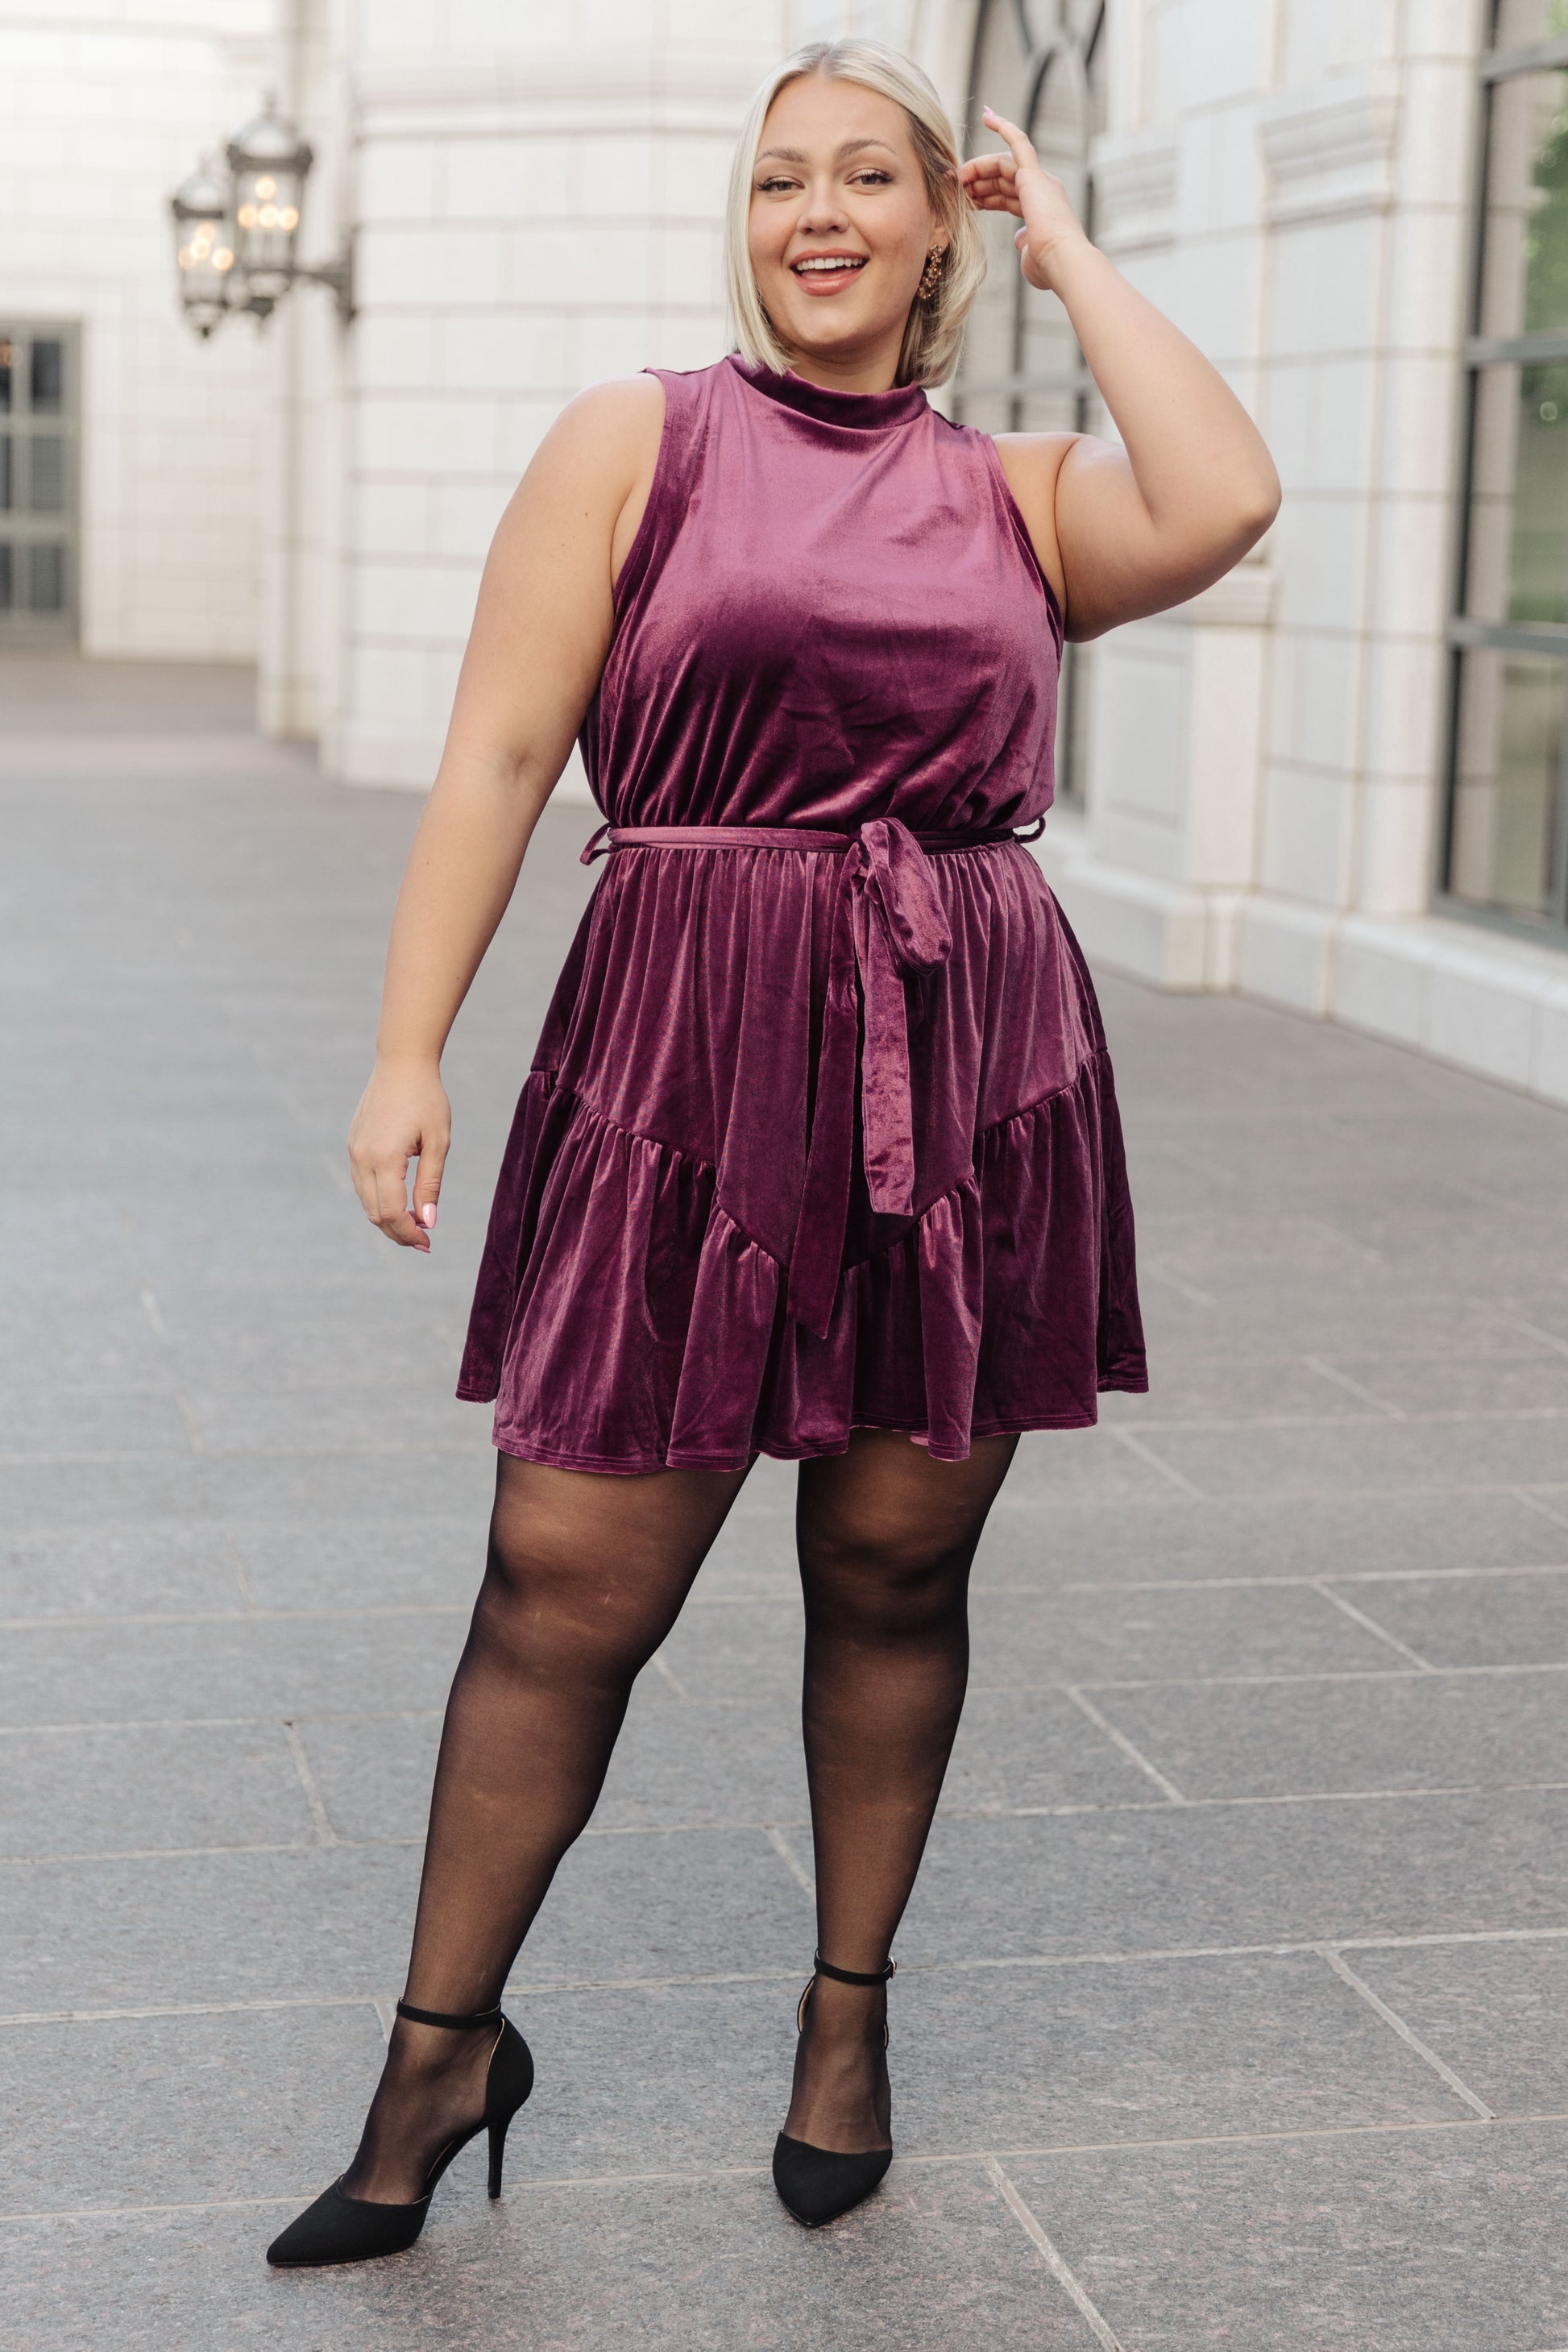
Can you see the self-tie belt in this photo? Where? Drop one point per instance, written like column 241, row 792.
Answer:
column 887, row 926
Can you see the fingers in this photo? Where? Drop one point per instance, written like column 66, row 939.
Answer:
column 1018, row 142
column 392, row 1211
column 427, row 1184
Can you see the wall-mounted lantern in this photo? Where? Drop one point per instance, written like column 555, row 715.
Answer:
column 235, row 234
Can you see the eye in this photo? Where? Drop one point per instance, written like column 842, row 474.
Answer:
column 872, row 177
column 774, row 187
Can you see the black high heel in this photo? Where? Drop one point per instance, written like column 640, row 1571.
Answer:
column 341, row 2228
column 817, row 2184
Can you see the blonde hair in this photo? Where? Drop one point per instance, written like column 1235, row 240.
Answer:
column 935, row 329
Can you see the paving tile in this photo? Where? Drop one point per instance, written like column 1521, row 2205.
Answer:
column 1479, row 1621
column 1056, row 1466
column 1399, row 1731
column 694, row 2265
column 1404, row 2241
column 118, row 1572
column 164, row 2110
column 1377, row 1455
column 1199, row 1875
column 1053, row 1637
column 189, row 1929
column 367, row 1563
column 114, row 1791
column 228, row 1666
column 261, row 1488
column 92, row 1421
column 1180, row 1536
column 1492, row 2011
column 264, row 1419
column 102, row 1341
column 334, row 1920
column 1030, row 1749
column 1233, row 1392
column 1536, row 1382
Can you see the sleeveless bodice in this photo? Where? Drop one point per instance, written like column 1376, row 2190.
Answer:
column 820, row 1133
column 831, row 612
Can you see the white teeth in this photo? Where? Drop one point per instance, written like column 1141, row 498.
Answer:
column 826, row 263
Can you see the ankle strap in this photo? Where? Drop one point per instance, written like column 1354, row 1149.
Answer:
column 439, row 2017
column 853, row 1976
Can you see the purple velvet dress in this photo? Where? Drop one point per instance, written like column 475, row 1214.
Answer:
column 820, row 1133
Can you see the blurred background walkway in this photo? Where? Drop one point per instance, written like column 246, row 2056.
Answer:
column 1231, row 1996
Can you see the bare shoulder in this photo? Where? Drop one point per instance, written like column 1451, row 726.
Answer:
column 610, row 433
column 1033, row 463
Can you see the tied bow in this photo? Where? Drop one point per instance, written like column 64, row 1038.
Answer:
column 888, row 927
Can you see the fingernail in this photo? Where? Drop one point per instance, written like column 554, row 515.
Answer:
column 427, row 1213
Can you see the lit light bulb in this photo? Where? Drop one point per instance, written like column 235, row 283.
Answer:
column 267, row 185
column 248, row 216
column 268, row 215
column 288, row 217
column 222, row 259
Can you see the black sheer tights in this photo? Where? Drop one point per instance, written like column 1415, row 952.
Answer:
column 584, row 1577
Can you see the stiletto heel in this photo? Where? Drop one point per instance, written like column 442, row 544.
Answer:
column 817, row 2184
column 341, row 2228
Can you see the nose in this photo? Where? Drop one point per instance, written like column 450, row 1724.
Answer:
column 823, row 208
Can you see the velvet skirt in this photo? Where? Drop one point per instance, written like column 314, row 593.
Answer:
column 634, row 1303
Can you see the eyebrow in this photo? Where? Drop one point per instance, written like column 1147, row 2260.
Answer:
column 847, row 147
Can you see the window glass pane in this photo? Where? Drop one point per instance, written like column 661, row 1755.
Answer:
column 47, row 579
column 1525, row 274
column 1518, row 567
column 48, row 486
column 1520, row 23
column 6, row 357
column 46, row 378
column 4, row 575
column 1508, row 791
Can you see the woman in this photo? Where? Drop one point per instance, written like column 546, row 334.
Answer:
column 819, row 1154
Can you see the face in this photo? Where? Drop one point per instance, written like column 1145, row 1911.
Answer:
column 840, row 223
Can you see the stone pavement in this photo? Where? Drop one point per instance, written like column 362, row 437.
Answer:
column 1232, row 1994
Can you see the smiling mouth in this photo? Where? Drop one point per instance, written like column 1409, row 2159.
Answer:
column 829, row 264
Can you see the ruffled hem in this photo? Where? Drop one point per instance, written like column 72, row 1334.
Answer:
column 626, row 1323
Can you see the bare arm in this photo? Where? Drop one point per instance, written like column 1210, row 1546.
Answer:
column 1130, row 530
column 541, row 629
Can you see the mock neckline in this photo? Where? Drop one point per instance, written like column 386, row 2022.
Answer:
column 860, row 411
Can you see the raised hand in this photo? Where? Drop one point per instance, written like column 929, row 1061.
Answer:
column 1018, row 182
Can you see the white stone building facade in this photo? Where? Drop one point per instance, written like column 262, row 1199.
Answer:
column 1334, row 782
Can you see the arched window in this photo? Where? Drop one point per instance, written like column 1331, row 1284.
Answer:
column 1041, row 62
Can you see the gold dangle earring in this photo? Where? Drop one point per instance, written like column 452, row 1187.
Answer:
column 930, row 276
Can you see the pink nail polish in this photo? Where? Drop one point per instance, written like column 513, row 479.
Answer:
column 427, row 1213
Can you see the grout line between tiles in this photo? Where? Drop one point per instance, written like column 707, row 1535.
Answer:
column 667, row 1674
column 1331, row 1372
column 1371, row 1625
column 1146, row 1455
column 1168, row 1804
column 1391, row 2017
column 307, row 1782
column 521, row 1988
column 1054, row 2263
column 932, row 2162
column 1087, row 1707
column 791, row 1860
column 154, row 1314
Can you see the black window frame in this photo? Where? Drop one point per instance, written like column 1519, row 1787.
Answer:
column 1464, row 635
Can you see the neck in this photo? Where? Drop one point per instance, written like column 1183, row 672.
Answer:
column 874, row 371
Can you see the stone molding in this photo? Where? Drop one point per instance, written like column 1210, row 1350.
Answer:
column 1331, row 150
column 496, row 95
column 1134, row 176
